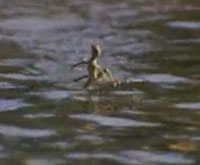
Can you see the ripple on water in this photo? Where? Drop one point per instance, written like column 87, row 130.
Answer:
column 19, row 76
column 188, row 105
column 52, row 94
column 15, row 62
column 6, row 85
column 59, row 144
column 125, row 93
column 43, row 161
column 91, row 138
column 41, row 39
column 163, row 78
column 113, row 121
column 103, row 156
column 28, row 24
column 135, row 157
column 156, row 157
column 25, row 132
column 133, row 112
column 183, row 41
column 185, row 24
column 39, row 115
column 11, row 105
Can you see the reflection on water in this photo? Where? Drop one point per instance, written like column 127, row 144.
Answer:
column 162, row 78
column 39, row 115
column 52, row 95
column 6, row 85
column 188, row 105
column 135, row 157
column 10, row 105
column 151, row 118
column 112, row 121
column 24, row 132
column 185, row 25
column 43, row 161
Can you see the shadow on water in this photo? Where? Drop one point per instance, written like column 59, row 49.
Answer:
column 46, row 118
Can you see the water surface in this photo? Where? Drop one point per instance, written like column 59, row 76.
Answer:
column 151, row 119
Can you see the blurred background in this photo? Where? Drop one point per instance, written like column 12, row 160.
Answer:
column 150, row 119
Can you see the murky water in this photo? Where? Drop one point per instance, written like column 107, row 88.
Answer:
column 47, row 119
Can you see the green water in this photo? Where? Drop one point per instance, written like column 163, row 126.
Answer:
column 47, row 119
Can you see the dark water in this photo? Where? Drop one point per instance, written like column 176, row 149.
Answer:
column 46, row 119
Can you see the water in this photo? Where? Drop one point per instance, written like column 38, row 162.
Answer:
column 47, row 119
